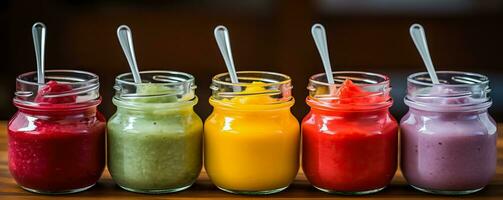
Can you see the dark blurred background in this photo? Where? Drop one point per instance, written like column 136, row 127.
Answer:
column 269, row 35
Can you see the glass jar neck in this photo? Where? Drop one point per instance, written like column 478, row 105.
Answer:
column 449, row 116
column 256, row 90
column 157, row 108
column 352, row 91
column 350, row 113
column 88, row 111
column 329, row 109
column 223, row 106
column 457, row 92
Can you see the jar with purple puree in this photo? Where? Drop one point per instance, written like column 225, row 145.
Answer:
column 448, row 138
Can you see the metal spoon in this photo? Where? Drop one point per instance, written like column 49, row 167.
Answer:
column 222, row 38
column 38, row 32
column 320, row 38
column 126, row 40
column 419, row 38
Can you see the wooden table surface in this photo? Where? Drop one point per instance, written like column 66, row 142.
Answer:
column 203, row 188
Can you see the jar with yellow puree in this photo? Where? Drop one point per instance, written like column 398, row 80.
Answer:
column 251, row 138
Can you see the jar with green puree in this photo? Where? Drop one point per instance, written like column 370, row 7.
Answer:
column 155, row 137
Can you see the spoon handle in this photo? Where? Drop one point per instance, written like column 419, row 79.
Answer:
column 419, row 38
column 223, row 41
column 320, row 38
column 38, row 32
column 126, row 40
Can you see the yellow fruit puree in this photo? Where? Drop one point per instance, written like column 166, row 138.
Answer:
column 252, row 142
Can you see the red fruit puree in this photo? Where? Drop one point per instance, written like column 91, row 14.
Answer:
column 350, row 142
column 56, row 145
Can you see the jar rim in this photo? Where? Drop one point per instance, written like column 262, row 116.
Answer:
column 287, row 79
column 94, row 78
column 457, row 91
column 169, row 87
column 385, row 81
column 190, row 78
column 83, row 85
column 483, row 79
column 325, row 95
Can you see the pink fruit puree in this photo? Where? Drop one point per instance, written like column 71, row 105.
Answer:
column 55, row 146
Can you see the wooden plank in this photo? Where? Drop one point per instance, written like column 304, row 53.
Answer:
column 204, row 189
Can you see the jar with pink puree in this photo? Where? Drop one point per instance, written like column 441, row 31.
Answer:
column 56, row 140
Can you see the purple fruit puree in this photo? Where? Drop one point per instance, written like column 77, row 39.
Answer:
column 448, row 139
column 448, row 151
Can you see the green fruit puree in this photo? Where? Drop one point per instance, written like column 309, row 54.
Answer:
column 154, row 147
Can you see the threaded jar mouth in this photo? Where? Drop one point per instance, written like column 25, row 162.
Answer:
column 457, row 91
column 352, row 90
column 253, row 88
column 158, row 89
column 69, row 88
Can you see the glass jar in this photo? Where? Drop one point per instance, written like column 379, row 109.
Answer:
column 448, row 138
column 251, row 137
column 56, row 139
column 155, row 137
column 349, row 137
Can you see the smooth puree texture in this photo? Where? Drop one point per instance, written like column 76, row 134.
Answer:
column 57, row 150
column 348, row 150
column 448, row 150
column 154, row 149
column 154, row 93
column 251, row 148
column 253, row 94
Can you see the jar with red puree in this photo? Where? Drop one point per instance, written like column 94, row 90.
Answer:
column 349, row 136
column 56, row 140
